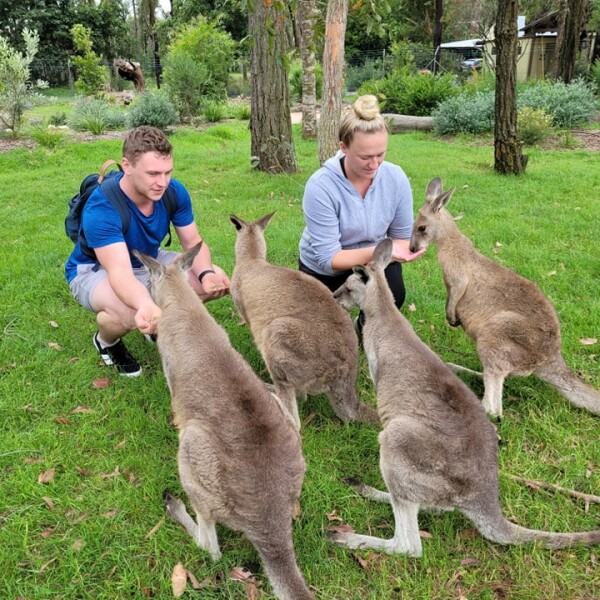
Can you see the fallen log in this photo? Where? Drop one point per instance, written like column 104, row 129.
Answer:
column 398, row 123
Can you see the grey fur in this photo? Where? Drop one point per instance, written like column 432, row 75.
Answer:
column 307, row 341
column 515, row 327
column 438, row 449
column 240, row 459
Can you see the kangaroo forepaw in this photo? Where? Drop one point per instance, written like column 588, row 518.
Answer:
column 172, row 505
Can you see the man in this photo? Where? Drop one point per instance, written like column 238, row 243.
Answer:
column 113, row 283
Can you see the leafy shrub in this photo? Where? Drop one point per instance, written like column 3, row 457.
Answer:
column 534, row 125
column 241, row 111
column 465, row 114
column 91, row 74
column 569, row 104
column 214, row 111
column 58, row 118
column 153, row 108
column 47, row 137
column 594, row 74
column 211, row 49
column 356, row 75
column 96, row 115
column 236, row 86
column 188, row 83
column 414, row 94
column 295, row 79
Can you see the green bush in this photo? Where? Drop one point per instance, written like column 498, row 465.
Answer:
column 356, row 75
column 188, row 83
column 210, row 48
column 241, row 111
column 415, row 94
column 91, row 74
column 96, row 115
column 534, row 125
column 569, row 104
column 214, row 111
column 47, row 137
column 295, row 79
column 465, row 114
column 153, row 108
column 58, row 118
column 594, row 74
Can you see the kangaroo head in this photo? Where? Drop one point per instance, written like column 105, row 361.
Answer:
column 427, row 227
column 250, row 242
column 159, row 273
column 355, row 289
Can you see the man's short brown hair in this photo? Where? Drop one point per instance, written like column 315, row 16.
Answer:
column 145, row 139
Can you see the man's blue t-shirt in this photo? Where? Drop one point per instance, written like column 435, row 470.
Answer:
column 102, row 226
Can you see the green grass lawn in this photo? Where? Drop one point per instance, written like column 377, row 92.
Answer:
column 97, row 529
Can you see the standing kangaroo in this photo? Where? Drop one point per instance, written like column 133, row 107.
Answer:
column 437, row 448
column 240, row 459
column 515, row 327
column 306, row 339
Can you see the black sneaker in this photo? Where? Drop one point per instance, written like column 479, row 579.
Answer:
column 119, row 356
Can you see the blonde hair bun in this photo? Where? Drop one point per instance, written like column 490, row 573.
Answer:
column 366, row 107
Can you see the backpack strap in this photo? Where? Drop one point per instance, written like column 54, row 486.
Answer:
column 117, row 198
column 109, row 163
column 170, row 201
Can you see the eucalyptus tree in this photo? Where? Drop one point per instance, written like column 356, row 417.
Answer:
column 508, row 156
column 272, row 142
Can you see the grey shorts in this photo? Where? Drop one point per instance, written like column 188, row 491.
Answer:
column 82, row 286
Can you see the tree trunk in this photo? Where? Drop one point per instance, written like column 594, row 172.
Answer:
column 437, row 34
column 572, row 16
column 306, row 15
column 508, row 156
column 272, row 144
column 333, row 73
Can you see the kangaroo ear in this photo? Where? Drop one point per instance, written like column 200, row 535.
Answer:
column 434, row 189
column 382, row 254
column 442, row 200
column 264, row 221
column 187, row 258
column 237, row 222
column 151, row 263
column 361, row 273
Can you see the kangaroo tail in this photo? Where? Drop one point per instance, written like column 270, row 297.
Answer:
column 570, row 386
column 498, row 529
column 282, row 570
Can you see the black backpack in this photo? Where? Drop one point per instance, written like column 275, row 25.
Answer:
column 111, row 189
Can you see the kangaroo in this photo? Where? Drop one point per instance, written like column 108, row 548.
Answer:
column 240, row 459
column 438, row 449
column 306, row 339
column 515, row 327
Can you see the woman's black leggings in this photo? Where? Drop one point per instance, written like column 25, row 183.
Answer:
column 393, row 274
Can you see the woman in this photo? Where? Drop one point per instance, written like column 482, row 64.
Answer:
column 355, row 200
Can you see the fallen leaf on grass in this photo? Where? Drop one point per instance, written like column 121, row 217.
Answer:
column 120, row 444
column 457, row 217
column 198, row 585
column 47, row 532
column 251, row 584
column 62, row 421
column 412, row 308
column 366, row 563
column 46, row 565
column 46, row 476
column 77, row 545
column 101, row 383
column 53, row 324
column 425, row 535
column 332, row 516
column 54, row 346
column 179, row 580
column 154, row 529
column 82, row 409
column 589, row 341
column 31, row 460
column 82, row 472
column 48, row 502
column 111, row 513
column 115, row 473
column 469, row 562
